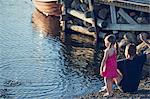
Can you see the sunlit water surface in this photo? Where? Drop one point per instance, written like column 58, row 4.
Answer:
column 39, row 68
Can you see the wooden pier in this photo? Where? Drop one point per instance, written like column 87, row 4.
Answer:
column 98, row 18
column 106, row 15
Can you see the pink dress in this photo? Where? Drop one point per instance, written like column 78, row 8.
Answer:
column 110, row 68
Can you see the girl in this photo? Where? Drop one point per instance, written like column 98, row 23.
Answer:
column 108, row 67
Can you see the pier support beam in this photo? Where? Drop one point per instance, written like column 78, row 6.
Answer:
column 126, row 16
column 113, row 17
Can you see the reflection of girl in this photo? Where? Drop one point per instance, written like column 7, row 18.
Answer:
column 108, row 67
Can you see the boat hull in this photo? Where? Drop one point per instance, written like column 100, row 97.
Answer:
column 48, row 8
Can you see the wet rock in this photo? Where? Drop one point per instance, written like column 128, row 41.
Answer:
column 12, row 83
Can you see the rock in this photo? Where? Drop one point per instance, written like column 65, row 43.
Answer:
column 83, row 7
column 84, row 1
column 86, row 24
column 78, row 22
column 75, row 4
column 88, row 14
column 102, row 14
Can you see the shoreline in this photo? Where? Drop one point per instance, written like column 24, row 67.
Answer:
column 143, row 92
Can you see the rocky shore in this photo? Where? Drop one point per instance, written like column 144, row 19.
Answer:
column 143, row 92
column 144, row 86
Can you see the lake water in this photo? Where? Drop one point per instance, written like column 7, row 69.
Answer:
column 34, row 67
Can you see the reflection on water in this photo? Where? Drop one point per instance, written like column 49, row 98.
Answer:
column 43, row 68
column 47, row 25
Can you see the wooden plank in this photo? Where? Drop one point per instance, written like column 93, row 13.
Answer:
column 79, row 15
column 141, row 1
column 128, row 27
column 126, row 16
column 132, row 6
column 92, row 12
column 113, row 14
column 80, row 29
column 113, row 17
column 135, row 2
column 91, row 8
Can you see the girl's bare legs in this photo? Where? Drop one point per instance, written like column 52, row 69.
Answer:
column 117, row 81
column 108, row 84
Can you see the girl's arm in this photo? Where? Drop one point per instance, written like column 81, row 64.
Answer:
column 103, row 61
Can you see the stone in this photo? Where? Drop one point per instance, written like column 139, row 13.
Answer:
column 102, row 14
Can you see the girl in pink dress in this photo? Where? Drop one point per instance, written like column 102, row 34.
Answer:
column 108, row 68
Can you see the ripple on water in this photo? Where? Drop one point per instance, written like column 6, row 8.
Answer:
column 35, row 67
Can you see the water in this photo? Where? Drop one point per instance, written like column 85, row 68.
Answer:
column 33, row 67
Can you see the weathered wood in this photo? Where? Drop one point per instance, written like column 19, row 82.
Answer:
column 91, row 8
column 126, row 16
column 128, row 27
column 64, row 13
column 141, row 1
column 79, row 15
column 80, row 29
column 113, row 16
column 126, row 4
column 144, row 3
